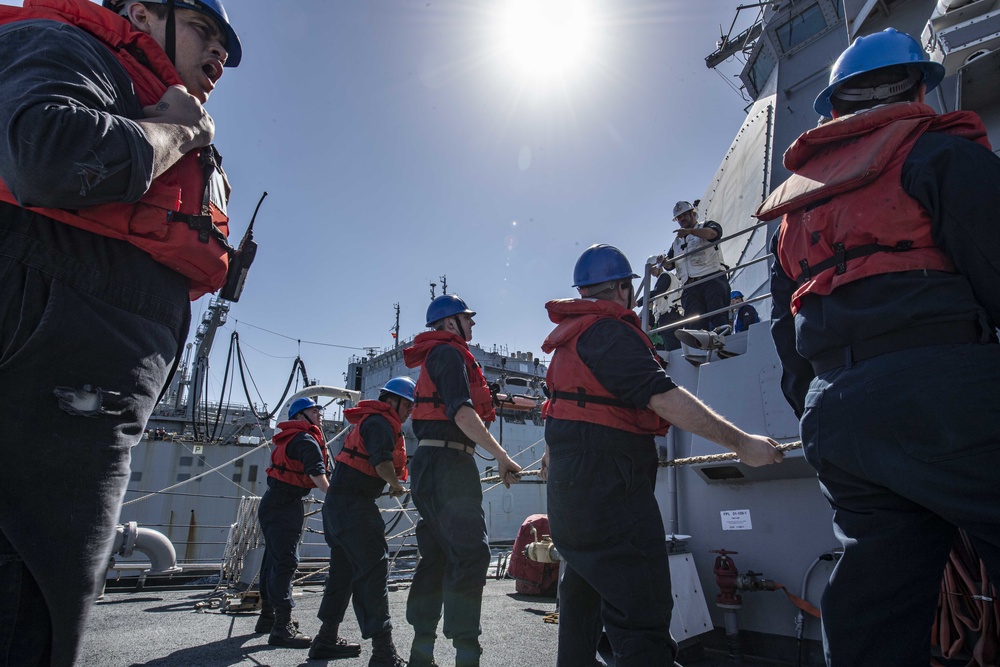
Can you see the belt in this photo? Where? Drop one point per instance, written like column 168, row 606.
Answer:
column 705, row 277
column 923, row 335
column 447, row 444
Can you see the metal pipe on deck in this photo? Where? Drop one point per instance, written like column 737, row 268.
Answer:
column 155, row 545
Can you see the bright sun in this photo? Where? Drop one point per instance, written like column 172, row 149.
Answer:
column 547, row 39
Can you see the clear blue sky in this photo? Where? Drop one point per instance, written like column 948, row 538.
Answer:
column 400, row 141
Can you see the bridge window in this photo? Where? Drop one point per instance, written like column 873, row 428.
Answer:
column 800, row 28
column 760, row 69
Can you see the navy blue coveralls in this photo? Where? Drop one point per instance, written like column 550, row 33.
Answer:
column 906, row 443
column 91, row 329
column 355, row 532
column 281, row 515
column 451, row 533
column 604, row 517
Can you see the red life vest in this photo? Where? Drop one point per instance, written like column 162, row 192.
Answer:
column 574, row 393
column 427, row 404
column 846, row 214
column 354, row 452
column 291, row 471
column 181, row 221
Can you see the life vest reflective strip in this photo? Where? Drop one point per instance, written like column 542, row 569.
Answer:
column 354, row 452
column 181, row 221
column 846, row 214
column 288, row 470
column 575, row 394
column 427, row 402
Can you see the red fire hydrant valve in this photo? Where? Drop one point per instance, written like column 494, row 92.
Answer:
column 725, row 576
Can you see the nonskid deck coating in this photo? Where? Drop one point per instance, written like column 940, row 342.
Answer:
column 162, row 629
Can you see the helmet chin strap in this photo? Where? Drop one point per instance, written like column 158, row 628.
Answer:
column 461, row 329
column 171, row 39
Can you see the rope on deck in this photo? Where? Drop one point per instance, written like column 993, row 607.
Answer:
column 244, row 535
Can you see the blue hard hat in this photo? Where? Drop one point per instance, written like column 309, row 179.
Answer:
column 300, row 404
column 212, row 8
column 875, row 51
column 600, row 263
column 736, row 294
column 444, row 306
column 402, row 386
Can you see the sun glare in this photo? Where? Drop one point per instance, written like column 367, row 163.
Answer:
column 547, row 39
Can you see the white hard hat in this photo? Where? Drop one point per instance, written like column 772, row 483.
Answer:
column 682, row 207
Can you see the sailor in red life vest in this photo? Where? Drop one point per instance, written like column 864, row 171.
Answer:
column 884, row 309
column 451, row 409
column 609, row 397
column 374, row 455
column 299, row 463
column 104, row 134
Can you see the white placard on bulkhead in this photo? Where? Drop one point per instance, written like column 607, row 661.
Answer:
column 736, row 520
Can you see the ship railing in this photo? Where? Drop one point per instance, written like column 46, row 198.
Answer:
column 646, row 285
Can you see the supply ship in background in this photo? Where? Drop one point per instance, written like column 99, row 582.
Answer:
column 739, row 536
column 201, row 456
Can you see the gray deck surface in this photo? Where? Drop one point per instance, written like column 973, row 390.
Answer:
column 162, row 629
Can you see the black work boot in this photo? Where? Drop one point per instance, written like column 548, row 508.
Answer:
column 467, row 652
column 285, row 632
column 422, row 651
column 266, row 620
column 384, row 652
column 329, row 646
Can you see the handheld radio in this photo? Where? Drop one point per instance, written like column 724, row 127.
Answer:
column 239, row 263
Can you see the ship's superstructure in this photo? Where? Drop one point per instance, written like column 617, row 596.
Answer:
column 775, row 518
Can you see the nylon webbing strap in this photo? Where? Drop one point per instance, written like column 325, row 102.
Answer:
column 581, row 398
column 435, row 399
column 355, row 453
column 171, row 41
column 842, row 255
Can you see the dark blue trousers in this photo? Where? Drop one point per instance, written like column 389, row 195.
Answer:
column 706, row 297
column 451, row 536
column 606, row 524
column 90, row 329
column 907, row 447
column 281, row 515
column 359, row 563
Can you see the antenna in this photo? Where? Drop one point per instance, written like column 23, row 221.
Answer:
column 433, row 285
column 240, row 261
column 444, row 284
column 395, row 328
